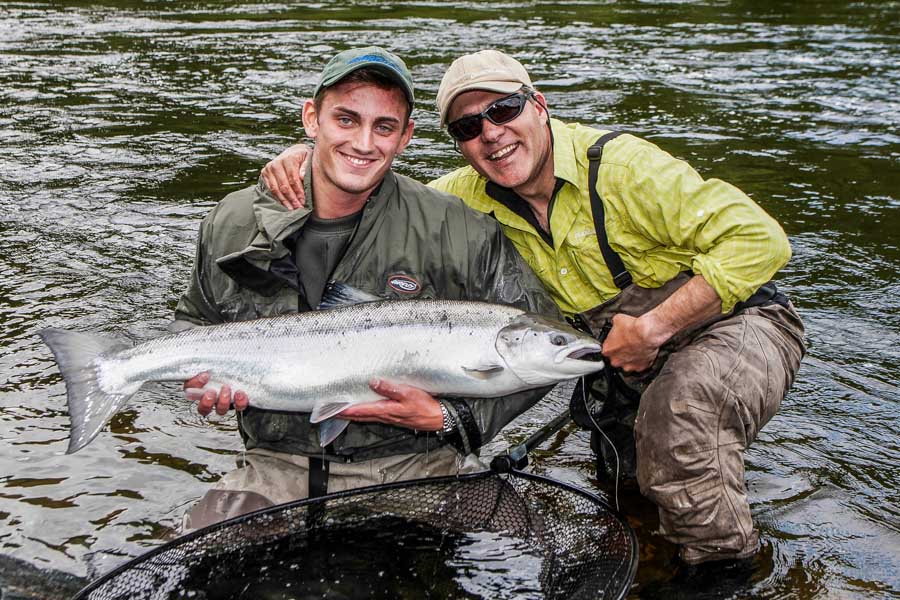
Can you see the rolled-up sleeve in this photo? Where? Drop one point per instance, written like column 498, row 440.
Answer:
column 717, row 229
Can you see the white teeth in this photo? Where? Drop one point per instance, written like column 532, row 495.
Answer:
column 502, row 152
column 360, row 162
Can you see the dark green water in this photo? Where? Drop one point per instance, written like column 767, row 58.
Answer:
column 388, row 558
column 122, row 123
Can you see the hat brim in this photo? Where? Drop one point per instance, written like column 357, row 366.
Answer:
column 499, row 87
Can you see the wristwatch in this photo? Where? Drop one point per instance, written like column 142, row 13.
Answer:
column 448, row 423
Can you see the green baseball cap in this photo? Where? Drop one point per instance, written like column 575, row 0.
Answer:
column 372, row 57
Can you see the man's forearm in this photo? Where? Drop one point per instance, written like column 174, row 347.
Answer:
column 633, row 342
column 694, row 302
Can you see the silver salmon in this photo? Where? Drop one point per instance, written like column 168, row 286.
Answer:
column 321, row 362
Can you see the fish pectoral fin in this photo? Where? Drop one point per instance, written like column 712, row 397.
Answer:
column 330, row 429
column 324, row 414
column 327, row 409
column 485, row 371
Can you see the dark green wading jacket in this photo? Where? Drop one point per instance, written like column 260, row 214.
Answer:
column 409, row 236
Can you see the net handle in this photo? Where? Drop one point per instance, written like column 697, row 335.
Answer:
column 516, row 457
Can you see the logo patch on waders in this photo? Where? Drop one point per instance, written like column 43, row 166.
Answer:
column 404, row 284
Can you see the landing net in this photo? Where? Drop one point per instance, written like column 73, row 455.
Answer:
column 569, row 543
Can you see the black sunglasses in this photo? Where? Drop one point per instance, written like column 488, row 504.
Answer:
column 502, row 111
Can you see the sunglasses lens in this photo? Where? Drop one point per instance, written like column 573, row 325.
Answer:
column 505, row 110
column 500, row 112
column 466, row 128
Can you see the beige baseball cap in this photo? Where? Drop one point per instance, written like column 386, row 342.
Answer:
column 488, row 70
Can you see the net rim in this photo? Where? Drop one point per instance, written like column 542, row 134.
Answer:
column 188, row 537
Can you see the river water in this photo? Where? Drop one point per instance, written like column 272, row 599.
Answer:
column 122, row 123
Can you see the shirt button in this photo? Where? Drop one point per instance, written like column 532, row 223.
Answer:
column 563, row 271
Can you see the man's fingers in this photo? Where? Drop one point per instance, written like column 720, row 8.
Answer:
column 221, row 401
column 274, row 176
column 291, row 181
column 394, row 391
column 380, row 386
column 271, row 183
column 197, row 381
column 194, row 394
column 224, row 401
column 368, row 411
column 205, row 405
column 241, row 401
column 283, row 179
column 297, row 181
column 287, row 197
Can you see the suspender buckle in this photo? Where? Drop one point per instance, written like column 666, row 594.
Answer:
column 622, row 280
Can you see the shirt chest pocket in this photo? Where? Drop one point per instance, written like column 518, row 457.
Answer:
column 584, row 253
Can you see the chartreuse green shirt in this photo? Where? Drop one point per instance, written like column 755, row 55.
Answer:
column 662, row 218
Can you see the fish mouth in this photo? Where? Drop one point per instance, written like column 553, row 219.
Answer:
column 586, row 351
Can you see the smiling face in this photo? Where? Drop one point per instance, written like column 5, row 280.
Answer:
column 359, row 128
column 517, row 154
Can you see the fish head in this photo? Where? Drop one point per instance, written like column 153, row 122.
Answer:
column 540, row 351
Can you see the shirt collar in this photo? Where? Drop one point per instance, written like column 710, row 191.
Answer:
column 565, row 164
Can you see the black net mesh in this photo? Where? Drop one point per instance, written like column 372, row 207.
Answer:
column 483, row 535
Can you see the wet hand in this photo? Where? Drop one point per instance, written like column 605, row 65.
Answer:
column 209, row 399
column 284, row 175
column 632, row 344
column 403, row 406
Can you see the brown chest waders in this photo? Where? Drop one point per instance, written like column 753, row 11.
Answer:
column 608, row 401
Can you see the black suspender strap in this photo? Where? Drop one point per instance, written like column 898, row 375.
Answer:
column 318, row 477
column 621, row 277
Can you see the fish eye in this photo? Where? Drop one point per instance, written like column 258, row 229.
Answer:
column 558, row 340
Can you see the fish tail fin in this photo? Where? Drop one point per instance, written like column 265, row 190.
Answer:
column 90, row 406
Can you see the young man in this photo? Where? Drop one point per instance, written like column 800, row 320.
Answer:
column 671, row 270
column 367, row 227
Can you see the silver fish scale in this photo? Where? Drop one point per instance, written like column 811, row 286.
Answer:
column 292, row 361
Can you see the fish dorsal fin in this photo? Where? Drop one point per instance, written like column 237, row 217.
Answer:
column 484, row 371
column 340, row 294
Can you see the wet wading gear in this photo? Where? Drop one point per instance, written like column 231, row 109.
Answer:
column 266, row 478
column 709, row 392
column 712, row 386
column 681, row 426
